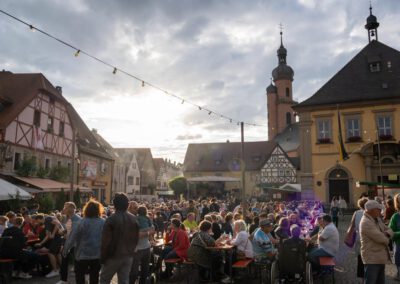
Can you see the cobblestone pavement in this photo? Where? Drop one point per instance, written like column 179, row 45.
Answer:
column 345, row 271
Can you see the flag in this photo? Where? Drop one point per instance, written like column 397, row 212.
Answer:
column 37, row 138
column 342, row 151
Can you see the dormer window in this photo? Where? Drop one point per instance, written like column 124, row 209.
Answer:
column 375, row 67
column 218, row 162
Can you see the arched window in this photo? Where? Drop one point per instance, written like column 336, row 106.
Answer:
column 287, row 92
column 288, row 118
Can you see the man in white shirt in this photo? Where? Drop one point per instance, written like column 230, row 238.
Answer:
column 328, row 242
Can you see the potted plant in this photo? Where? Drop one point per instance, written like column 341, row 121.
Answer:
column 325, row 140
column 386, row 137
column 354, row 139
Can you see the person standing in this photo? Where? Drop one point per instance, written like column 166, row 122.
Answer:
column 375, row 238
column 394, row 224
column 85, row 238
column 70, row 225
column 342, row 206
column 118, row 242
column 142, row 255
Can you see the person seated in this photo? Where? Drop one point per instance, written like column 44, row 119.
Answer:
column 282, row 232
column 28, row 227
column 178, row 244
column 190, row 223
column 241, row 241
column 51, row 244
column 13, row 248
column 216, row 229
column 203, row 257
column 292, row 255
column 227, row 226
column 263, row 243
column 3, row 223
column 328, row 242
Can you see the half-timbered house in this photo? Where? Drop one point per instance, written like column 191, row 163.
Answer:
column 34, row 123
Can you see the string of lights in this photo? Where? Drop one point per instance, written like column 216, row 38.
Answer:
column 78, row 51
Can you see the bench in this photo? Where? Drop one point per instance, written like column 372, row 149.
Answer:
column 328, row 265
column 243, row 263
column 173, row 260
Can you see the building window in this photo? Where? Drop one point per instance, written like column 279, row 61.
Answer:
column 47, row 164
column 50, row 123
column 61, row 130
column 130, row 180
column 59, row 164
column 17, row 160
column 52, row 101
column 385, row 126
column 287, row 92
column 324, row 130
column 353, row 129
column 137, row 181
column 36, row 118
column 375, row 67
column 288, row 118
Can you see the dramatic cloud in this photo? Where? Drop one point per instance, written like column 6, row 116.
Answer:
column 218, row 54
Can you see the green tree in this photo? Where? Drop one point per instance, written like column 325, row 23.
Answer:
column 46, row 203
column 61, row 199
column 77, row 198
column 42, row 172
column 178, row 185
column 59, row 173
column 28, row 167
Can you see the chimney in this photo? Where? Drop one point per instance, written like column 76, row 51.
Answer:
column 94, row 130
column 59, row 89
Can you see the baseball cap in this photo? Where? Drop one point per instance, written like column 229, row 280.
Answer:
column 373, row 204
column 265, row 223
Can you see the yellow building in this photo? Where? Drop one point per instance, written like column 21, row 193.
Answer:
column 365, row 93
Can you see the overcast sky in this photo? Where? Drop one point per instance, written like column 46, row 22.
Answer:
column 218, row 54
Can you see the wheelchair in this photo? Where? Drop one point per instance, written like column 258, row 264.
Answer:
column 267, row 271
column 293, row 264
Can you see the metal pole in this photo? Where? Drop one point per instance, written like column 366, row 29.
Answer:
column 380, row 162
column 243, row 165
column 71, row 190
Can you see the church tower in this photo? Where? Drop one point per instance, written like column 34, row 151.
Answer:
column 280, row 95
column 372, row 26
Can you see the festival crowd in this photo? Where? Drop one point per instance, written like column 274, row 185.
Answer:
column 133, row 239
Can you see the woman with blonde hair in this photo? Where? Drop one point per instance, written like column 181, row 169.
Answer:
column 394, row 224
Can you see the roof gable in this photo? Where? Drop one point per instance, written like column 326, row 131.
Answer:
column 18, row 90
column 355, row 82
column 226, row 156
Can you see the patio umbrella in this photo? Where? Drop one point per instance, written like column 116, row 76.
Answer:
column 9, row 191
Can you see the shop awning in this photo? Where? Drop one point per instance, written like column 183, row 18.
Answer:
column 49, row 185
column 10, row 191
column 290, row 187
column 213, row 179
column 165, row 192
column 375, row 183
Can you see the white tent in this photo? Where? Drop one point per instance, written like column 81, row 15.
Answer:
column 9, row 191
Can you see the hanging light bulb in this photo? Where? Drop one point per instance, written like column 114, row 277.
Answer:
column 209, row 113
column 115, row 70
column 182, row 102
column 143, row 84
column 32, row 28
column 77, row 53
column 199, row 107
column 230, row 120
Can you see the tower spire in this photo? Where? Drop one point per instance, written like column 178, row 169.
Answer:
column 372, row 25
column 281, row 33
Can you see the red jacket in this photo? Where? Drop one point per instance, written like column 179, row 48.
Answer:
column 180, row 242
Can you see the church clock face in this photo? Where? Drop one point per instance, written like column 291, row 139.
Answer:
column 278, row 169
